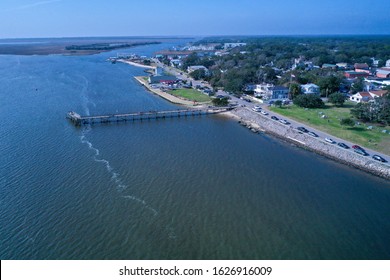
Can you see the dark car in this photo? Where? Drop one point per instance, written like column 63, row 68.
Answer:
column 302, row 129
column 360, row 152
column 311, row 133
column 275, row 118
column 342, row 145
column 379, row 158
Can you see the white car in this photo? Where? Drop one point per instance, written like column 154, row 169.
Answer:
column 264, row 113
column 329, row 140
column 256, row 108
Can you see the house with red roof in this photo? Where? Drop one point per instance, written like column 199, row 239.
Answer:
column 355, row 74
column 383, row 73
column 366, row 96
column 362, row 67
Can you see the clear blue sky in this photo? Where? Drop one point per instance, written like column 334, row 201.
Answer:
column 66, row 18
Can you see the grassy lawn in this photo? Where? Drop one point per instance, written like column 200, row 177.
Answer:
column 358, row 134
column 190, row 94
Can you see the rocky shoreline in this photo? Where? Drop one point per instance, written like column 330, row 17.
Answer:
column 259, row 123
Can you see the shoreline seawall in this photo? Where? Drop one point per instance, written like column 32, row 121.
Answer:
column 136, row 64
column 317, row 145
column 164, row 95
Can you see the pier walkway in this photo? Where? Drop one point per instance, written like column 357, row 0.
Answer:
column 79, row 120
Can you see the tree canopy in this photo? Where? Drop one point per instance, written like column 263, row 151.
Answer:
column 308, row 101
column 337, row 99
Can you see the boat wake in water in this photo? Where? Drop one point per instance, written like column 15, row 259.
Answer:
column 115, row 177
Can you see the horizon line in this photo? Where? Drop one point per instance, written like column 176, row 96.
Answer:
column 195, row 36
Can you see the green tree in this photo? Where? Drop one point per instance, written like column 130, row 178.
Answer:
column 337, row 99
column 308, row 101
column 377, row 111
column 295, row 90
column 198, row 74
column 220, row 101
column 357, row 86
column 361, row 111
column 329, row 85
column 347, row 122
column 278, row 103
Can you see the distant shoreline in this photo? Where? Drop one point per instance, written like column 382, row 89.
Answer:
column 69, row 48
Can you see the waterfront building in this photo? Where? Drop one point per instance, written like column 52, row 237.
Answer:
column 164, row 79
column 269, row 91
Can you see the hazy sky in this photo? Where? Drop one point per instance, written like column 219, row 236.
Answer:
column 64, row 18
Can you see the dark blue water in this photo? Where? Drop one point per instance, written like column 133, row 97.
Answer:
column 196, row 188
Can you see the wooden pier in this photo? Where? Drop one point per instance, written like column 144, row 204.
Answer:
column 79, row 120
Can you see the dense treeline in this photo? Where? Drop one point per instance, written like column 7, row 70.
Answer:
column 270, row 59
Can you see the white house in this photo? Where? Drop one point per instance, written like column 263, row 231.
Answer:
column 233, row 45
column 366, row 96
column 263, row 90
column 176, row 62
column 388, row 63
column 269, row 91
column 310, row 89
column 196, row 67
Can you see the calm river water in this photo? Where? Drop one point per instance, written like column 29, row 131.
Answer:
column 196, row 188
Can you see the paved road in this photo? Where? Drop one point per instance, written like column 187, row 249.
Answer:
column 244, row 103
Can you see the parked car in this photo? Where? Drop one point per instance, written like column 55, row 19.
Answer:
column 342, row 145
column 357, row 147
column 302, row 129
column 379, row 158
column 264, row 113
column 329, row 140
column 284, row 122
column 361, row 152
column 275, row 118
column 311, row 133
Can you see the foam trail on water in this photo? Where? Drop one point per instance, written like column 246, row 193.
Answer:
column 141, row 201
column 115, row 177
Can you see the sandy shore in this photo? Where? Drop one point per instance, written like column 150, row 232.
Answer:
column 259, row 123
column 136, row 64
column 165, row 95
